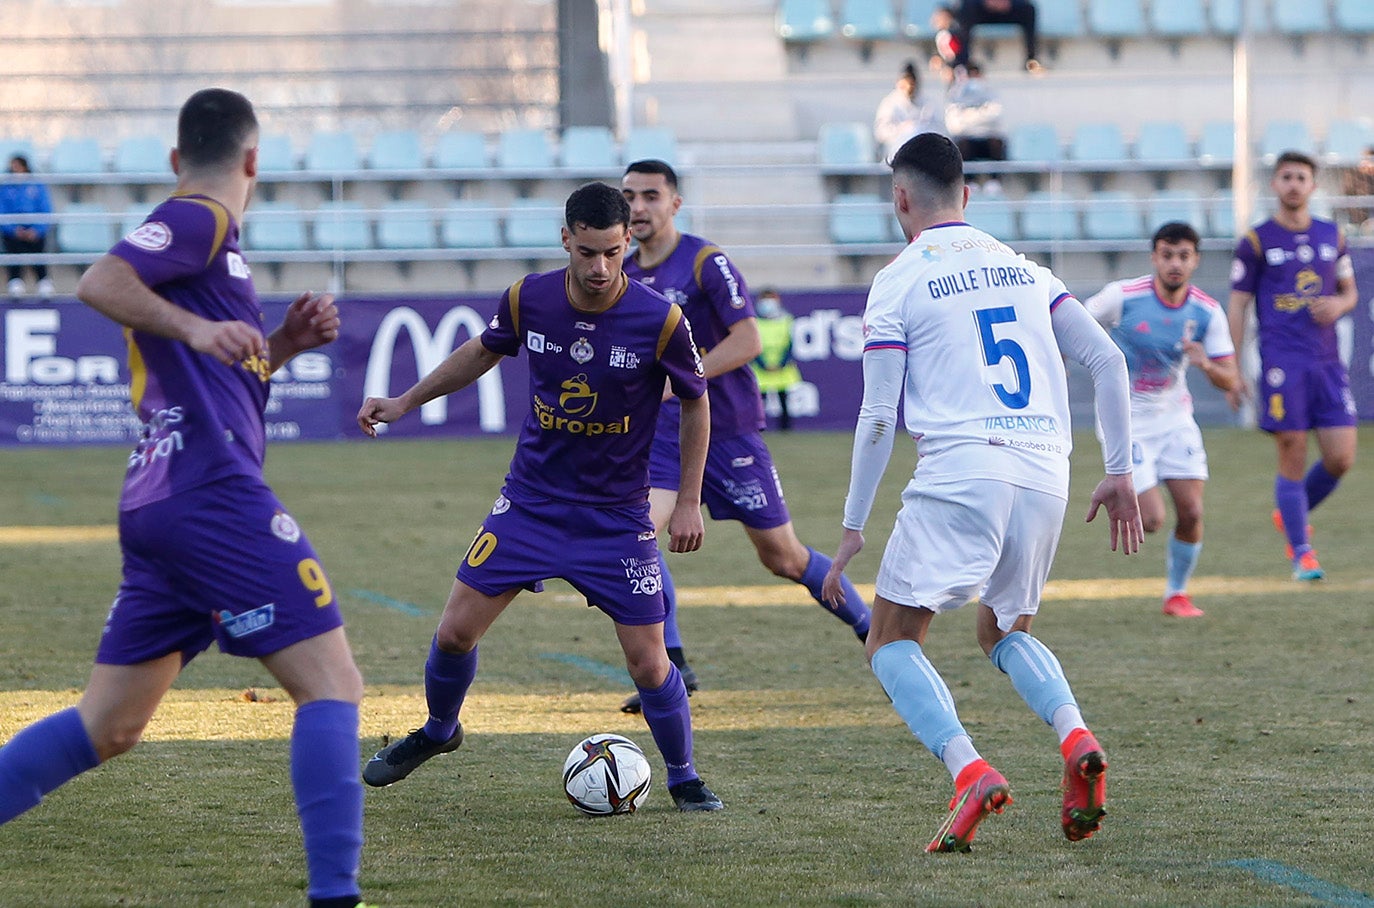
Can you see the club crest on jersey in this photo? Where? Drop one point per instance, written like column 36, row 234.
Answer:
column 581, row 352
column 1303, row 253
column 1274, row 377
column 578, row 398
column 501, row 506
column 154, row 236
column 285, row 528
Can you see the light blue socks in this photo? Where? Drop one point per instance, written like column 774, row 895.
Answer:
column 1034, row 672
column 918, row 693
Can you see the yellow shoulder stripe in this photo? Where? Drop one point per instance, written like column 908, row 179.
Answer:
column 669, row 326
column 704, row 253
column 221, row 222
column 1252, row 238
column 513, row 295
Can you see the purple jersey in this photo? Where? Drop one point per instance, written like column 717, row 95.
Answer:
column 701, row 279
column 596, row 382
column 1284, row 269
column 202, row 420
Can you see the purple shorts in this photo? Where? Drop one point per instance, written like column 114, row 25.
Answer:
column 225, row 563
column 608, row 554
column 1299, row 397
column 740, row 482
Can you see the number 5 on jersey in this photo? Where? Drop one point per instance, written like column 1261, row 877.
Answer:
column 995, row 350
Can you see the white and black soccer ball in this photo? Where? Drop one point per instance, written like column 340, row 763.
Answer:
column 606, row 774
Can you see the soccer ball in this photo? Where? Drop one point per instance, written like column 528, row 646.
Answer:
column 605, row 775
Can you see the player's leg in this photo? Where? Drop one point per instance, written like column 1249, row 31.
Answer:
column 1337, row 447
column 1290, row 502
column 1185, row 547
column 661, row 504
column 1152, row 511
column 785, row 555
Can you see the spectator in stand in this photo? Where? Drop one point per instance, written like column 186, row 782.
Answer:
column 969, row 14
column 25, row 195
column 949, row 41
column 903, row 113
column 774, row 367
column 1359, row 181
column 973, row 115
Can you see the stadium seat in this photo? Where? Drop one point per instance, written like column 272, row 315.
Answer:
column 524, row 149
column 397, row 150
column 916, row 15
column 1097, row 142
column 1284, row 135
column 860, row 219
column 534, row 223
column 275, row 153
column 843, row 145
column 1116, row 18
column 868, row 20
column 461, row 150
column 801, row 21
column 1300, row 17
column 470, row 225
column 133, row 216
column 11, row 147
column 1111, row 216
column 76, row 155
column 1346, row 141
column 93, row 232
column 1059, row 19
column 645, row 142
column 1225, row 16
column 1221, row 218
column 1177, row 18
column 1034, row 142
column 1163, row 207
column 590, row 149
column 405, row 225
column 1045, row 216
column 1354, row 16
column 274, row 227
column 1160, row 141
column 341, row 226
column 994, row 216
column 143, row 154
column 1218, row 142
column 331, row 152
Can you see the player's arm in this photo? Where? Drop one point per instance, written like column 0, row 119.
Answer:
column 1327, row 310
column 686, row 528
column 739, row 347
column 459, row 369
column 113, row 288
column 1215, row 356
column 311, row 321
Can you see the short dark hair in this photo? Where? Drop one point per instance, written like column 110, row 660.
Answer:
column 652, row 166
column 597, row 206
column 1296, row 157
column 1175, row 232
column 934, row 165
column 214, row 127
column 22, row 160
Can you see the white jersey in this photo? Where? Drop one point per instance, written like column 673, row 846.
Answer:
column 985, row 388
column 1151, row 333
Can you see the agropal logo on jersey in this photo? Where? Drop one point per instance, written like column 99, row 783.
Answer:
column 577, row 401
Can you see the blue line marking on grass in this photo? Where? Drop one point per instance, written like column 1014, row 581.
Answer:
column 1321, row 890
column 610, row 672
column 45, row 498
column 404, row 608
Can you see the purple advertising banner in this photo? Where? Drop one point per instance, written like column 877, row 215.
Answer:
column 66, row 380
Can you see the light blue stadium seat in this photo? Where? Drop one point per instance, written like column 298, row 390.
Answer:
column 533, row 223
column 1346, row 141
column 1225, row 16
column 1300, row 17
column 1059, row 18
column 524, row 149
column 916, row 17
column 1097, row 142
column 341, row 225
column 860, row 219
column 994, row 216
column 868, row 20
column 1162, row 140
column 275, row 153
column 1354, row 16
column 1116, row 18
column 1177, row 18
column 76, row 155
column 274, row 227
column 133, row 216
column 1218, row 142
column 461, row 150
column 1163, row 207
column 801, row 21
column 840, row 145
column 1048, row 217
column 1034, row 142
column 94, row 233
column 1221, row 219
column 398, row 149
column 589, row 149
column 143, row 154
column 1284, row 135
column 470, row 225
column 11, row 147
column 1111, row 216
column 646, row 142
column 405, row 225
column 331, row 152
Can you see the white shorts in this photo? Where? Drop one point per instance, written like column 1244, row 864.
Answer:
column 1175, row 453
column 972, row 538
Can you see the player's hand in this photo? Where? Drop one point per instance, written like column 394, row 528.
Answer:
column 379, row 410
column 686, row 528
column 1325, row 310
column 851, row 543
column 228, row 342
column 311, row 321
column 1238, row 395
column 1196, row 353
column 1117, row 495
